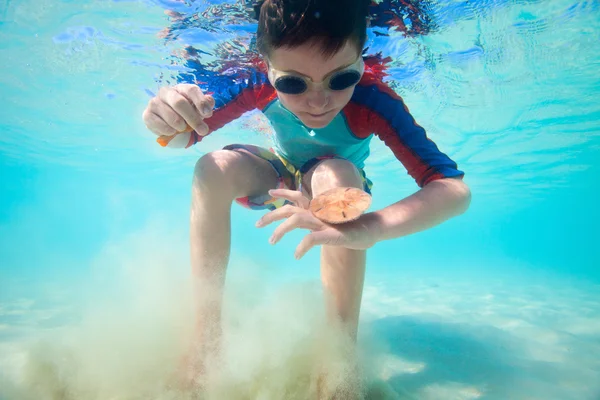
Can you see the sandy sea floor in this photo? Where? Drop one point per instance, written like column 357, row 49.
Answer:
column 423, row 336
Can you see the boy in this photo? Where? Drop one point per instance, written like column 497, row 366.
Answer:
column 325, row 104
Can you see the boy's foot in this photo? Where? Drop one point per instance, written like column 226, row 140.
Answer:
column 191, row 372
column 203, row 351
column 349, row 389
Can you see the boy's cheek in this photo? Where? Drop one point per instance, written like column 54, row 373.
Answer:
column 292, row 103
column 287, row 100
column 345, row 96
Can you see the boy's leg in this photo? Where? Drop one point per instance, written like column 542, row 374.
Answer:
column 342, row 269
column 219, row 178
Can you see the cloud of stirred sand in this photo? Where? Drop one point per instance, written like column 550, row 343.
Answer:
column 136, row 322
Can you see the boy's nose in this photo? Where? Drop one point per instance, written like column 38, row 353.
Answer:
column 317, row 98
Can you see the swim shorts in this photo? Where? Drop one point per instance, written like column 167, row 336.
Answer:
column 288, row 176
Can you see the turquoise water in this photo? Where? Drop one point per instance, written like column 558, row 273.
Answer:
column 500, row 303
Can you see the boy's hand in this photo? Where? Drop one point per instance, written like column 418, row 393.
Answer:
column 178, row 108
column 356, row 235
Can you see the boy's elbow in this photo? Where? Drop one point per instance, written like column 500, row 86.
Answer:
column 458, row 194
column 455, row 193
column 463, row 194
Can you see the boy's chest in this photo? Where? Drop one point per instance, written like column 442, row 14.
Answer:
column 289, row 129
column 298, row 144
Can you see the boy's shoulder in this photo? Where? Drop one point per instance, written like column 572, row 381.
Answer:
column 372, row 82
column 372, row 94
column 374, row 106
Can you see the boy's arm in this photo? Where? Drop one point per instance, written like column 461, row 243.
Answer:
column 443, row 194
column 231, row 102
column 376, row 108
column 435, row 203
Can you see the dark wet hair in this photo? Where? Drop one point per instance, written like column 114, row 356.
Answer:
column 328, row 23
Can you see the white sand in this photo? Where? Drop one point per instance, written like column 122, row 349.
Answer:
column 427, row 337
column 521, row 337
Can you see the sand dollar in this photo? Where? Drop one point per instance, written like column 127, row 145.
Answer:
column 339, row 205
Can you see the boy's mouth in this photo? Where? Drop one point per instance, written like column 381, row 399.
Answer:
column 318, row 115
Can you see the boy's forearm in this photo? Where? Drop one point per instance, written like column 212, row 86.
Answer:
column 435, row 203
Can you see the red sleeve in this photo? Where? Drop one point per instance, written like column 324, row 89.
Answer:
column 376, row 108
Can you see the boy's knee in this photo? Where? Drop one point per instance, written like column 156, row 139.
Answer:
column 216, row 168
column 332, row 173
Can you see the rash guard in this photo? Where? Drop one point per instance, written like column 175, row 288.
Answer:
column 373, row 110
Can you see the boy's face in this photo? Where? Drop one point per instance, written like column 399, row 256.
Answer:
column 317, row 106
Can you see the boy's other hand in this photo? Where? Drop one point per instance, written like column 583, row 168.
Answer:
column 177, row 109
column 356, row 235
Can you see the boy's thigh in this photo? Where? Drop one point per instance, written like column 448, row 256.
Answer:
column 236, row 170
column 269, row 172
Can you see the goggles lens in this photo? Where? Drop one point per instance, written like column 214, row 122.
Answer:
column 344, row 80
column 294, row 84
column 291, row 84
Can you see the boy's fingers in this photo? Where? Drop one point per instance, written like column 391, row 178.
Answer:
column 275, row 215
column 294, row 196
column 157, row 125
column 203, row 103
column 309, row 241
column 208, row 104
column 202, row 129
column 294, row 222
column 182, row 106
column 162, row 105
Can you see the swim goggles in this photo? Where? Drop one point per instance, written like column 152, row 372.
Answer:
column 291, row 83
